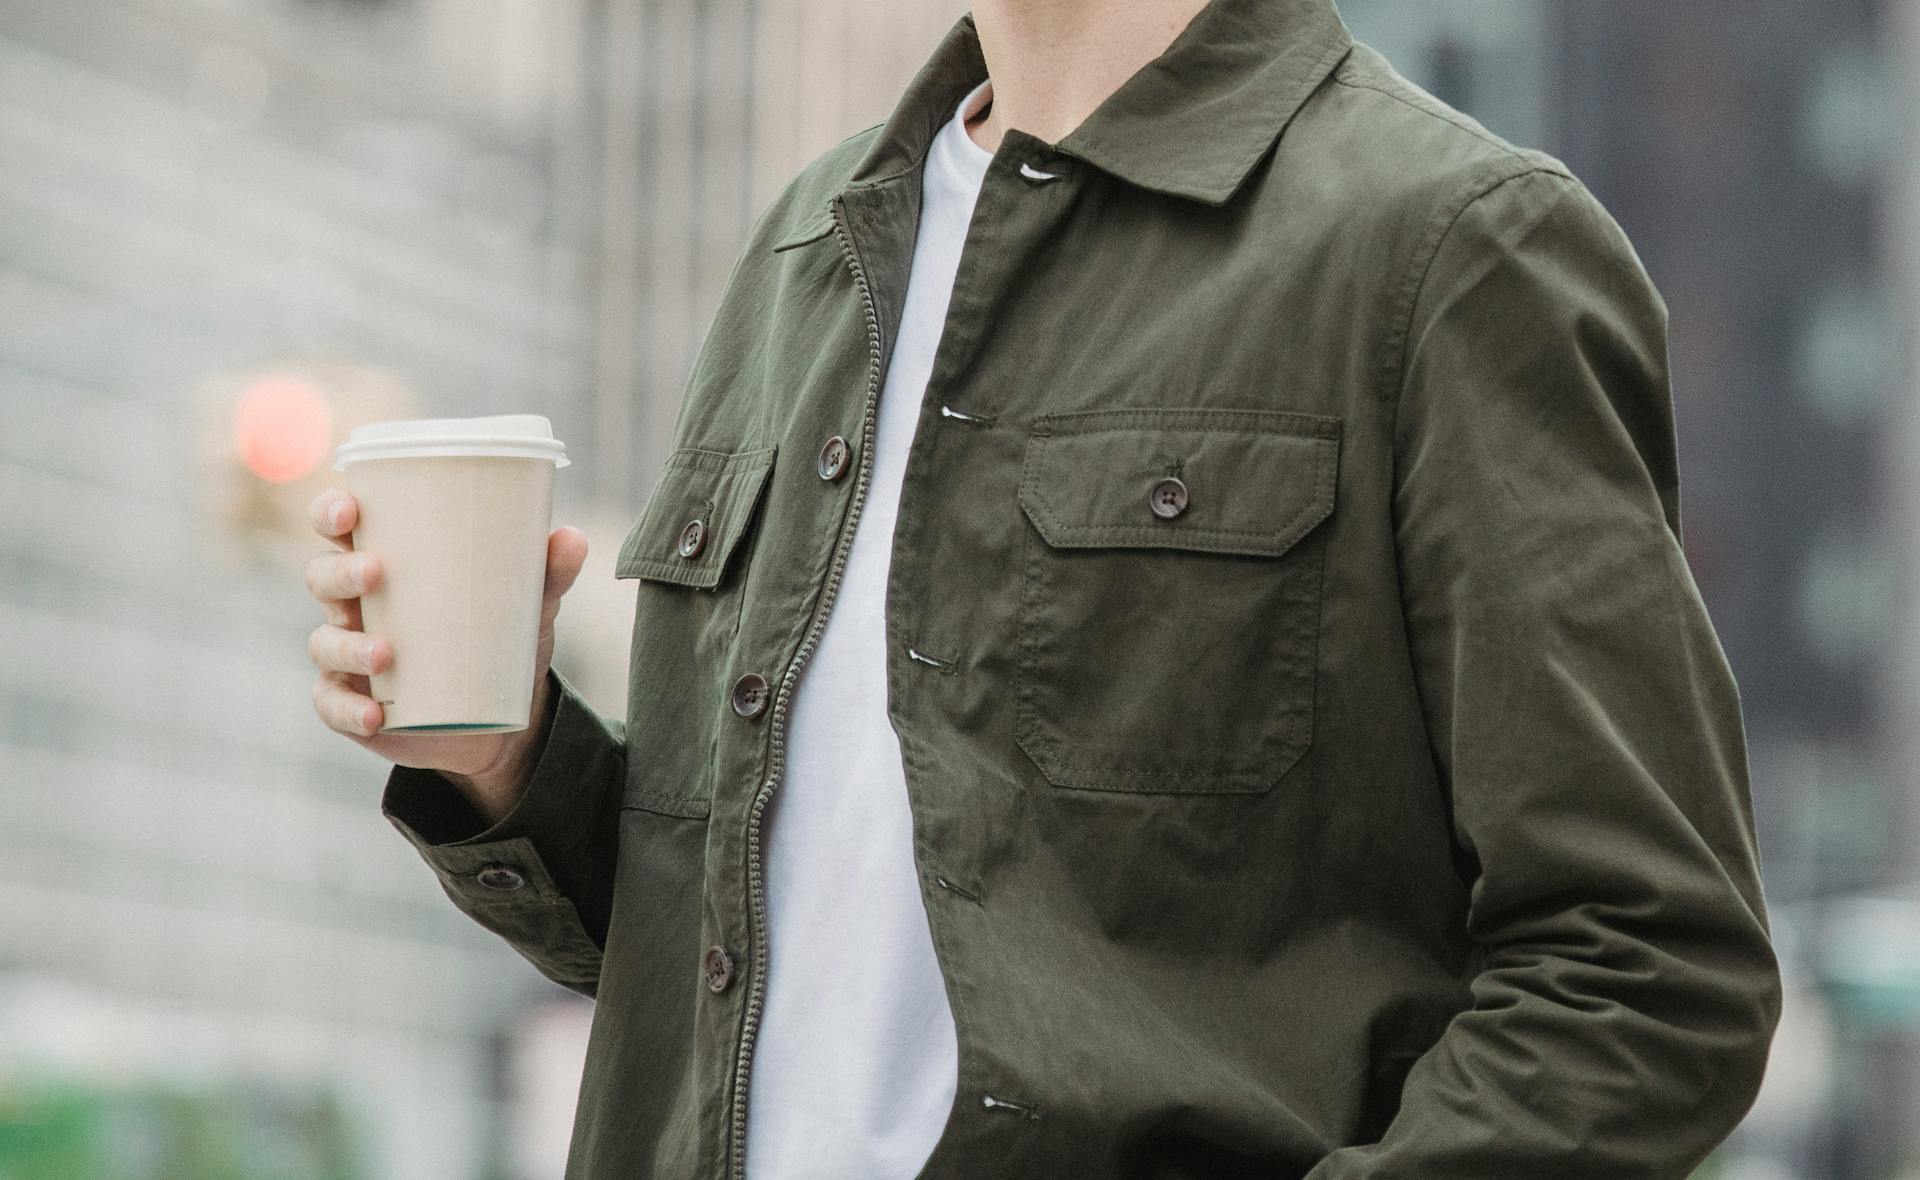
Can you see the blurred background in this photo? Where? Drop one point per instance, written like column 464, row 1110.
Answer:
column 230, row 230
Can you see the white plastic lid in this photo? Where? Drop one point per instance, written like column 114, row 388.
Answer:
column 513, row 436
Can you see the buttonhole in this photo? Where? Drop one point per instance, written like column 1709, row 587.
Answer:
column 946, row 666
column 970, row 419
column 1019, row 1108
column 950, row 887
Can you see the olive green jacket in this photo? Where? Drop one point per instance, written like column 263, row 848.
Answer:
column 1321, row 761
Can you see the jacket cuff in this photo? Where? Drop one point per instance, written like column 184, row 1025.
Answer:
column 545, row 850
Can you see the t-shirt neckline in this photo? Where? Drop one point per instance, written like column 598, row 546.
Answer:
column 964, row 152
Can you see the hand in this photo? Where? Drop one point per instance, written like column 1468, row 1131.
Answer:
column 490, row 767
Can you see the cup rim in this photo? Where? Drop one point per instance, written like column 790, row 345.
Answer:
column 453, row 437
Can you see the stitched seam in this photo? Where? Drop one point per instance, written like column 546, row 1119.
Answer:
column 1300, row 89
column 752, row 466
column 1305, row 740
column 668, row 797
column 1186, row 430
column 1444, row 114
column 666, row 571
column 1035, row 501
column 1259, row 422
column 1204, row 779
column 1181, row 770
column 804, row 236
column 719, row 462
column 1420, row 269
column 1221, row 781
column 793, row 239
column 912, row 165
column 1174, row 536
column 1396, row 366
column 1309, row 81
column 960, row 983
column 676, row 806
column 1026, row 720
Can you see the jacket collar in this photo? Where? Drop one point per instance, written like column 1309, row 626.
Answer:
column 1191, row 123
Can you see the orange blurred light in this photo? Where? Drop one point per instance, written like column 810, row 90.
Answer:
column 283, row 427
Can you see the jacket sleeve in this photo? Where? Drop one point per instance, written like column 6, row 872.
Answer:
column 558, row 842
column 1584, row 722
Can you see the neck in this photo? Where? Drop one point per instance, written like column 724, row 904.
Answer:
column 1053, row 61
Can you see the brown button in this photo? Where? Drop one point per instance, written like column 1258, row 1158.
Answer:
column 693, row 538
column 834, row 458
column 1168, row 498
column 717, row 966
column 499, row 877
column 750, row 694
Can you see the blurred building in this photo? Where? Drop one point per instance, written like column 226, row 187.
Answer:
column 1750, row 158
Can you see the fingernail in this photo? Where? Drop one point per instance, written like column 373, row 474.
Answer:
column 336, row 513
column 366, row 657
column 366, row 722
column 359, row 568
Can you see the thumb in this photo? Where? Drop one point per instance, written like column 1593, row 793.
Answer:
column 566, row 554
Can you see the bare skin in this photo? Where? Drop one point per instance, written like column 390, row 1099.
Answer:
column 1053, row 61
column 490, row 769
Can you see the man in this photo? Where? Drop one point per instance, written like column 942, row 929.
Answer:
column 1163, row 649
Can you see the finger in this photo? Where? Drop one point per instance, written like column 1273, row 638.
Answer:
column 336, row 649
column 344, row 710
column 335, row 576
column 342, row 613
column 355, row 682
column 339, row 612
column 566, row 554
column 333, row 514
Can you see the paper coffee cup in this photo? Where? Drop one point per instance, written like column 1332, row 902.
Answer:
column 458, row 510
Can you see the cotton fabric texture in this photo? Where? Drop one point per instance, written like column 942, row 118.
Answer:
column 854, row 1066
column 1371, row 803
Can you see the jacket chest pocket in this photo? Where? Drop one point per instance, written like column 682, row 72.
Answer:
column 698, row 512
column 1170, row 602
column 692, row 586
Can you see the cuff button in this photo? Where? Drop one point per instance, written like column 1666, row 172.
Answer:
column 500, row 877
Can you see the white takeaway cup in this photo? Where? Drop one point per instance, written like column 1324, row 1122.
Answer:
column 458, row 510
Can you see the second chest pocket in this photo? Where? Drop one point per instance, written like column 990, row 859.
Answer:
column 1170, row 604
column 688, row 551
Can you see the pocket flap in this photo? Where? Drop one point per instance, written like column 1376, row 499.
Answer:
column 711, row 493
column 1250, row 481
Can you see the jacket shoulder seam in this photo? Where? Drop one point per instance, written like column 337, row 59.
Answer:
column 1484, row 182
column 1350, row 78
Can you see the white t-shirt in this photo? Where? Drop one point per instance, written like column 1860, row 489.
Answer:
column 856, row 1064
